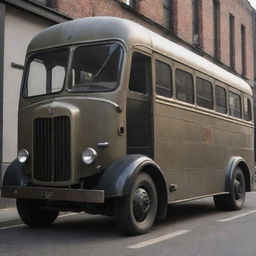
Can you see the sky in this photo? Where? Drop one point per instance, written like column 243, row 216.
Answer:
column 253, row 3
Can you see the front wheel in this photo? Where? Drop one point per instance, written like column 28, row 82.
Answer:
column 235, row 200
column 136, row 213
column 33, row 215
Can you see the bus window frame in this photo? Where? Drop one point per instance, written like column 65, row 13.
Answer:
column 147, row 52
column 208, row 79
column 191, row 71
column 169, row 62
column 27, row 68
column 225, row 87
column 239, row 93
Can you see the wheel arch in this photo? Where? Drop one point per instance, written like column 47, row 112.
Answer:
column 241, row 163
column 118, row 178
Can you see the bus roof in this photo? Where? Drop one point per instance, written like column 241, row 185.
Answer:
column 112, row 28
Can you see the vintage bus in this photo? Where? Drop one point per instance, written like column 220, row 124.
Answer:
column 117, row 120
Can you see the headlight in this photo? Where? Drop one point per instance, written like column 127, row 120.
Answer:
column 23, row 155
column 89, row 156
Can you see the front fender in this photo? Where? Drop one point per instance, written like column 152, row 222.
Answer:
column 14, row 175
column 117, row 180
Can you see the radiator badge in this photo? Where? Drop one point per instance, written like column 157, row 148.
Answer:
column 51, row 109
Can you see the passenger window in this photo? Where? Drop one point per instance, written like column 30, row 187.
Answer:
column 221, row 100
column 247, row 109
column 204, row 94
column 163, row 79
column 140, row 75
column 184, row 86
column 235, row 105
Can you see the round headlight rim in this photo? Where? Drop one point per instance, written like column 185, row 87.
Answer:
column 93, row 155
column 23, row 156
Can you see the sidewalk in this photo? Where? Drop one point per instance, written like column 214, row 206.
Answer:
column 9, row 216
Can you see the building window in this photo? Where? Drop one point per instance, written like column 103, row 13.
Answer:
column 232, row 41
column 169, row 15
column 131, row 3
column 243, row 50
column 216, row 28
column 163, row 79
column 197, row 22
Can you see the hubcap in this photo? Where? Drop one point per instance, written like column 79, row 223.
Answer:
column 141, row 204
column 238, row 190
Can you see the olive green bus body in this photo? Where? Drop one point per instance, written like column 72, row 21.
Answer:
column 193, row 150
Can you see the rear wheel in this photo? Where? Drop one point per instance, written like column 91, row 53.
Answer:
column 136, row 213
column 235, row 200
column 33, row 215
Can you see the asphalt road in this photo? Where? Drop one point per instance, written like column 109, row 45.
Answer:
column 192, row 229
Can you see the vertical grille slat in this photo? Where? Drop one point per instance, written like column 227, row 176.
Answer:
column 52, row 149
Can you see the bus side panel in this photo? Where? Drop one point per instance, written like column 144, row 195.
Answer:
column 194, row 148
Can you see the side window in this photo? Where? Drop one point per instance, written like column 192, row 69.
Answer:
column 204, row 95
column 235, row 105
column 163, row 79
column 184, row 86
column 247, row 109
column 221, row 99
column 140, row 76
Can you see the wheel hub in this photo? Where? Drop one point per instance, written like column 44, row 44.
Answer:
column 238, row 190
column 141, row 204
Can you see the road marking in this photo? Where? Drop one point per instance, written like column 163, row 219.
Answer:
column 237, row 216
column 13, row 226
column 68, row 214
column 158, row 239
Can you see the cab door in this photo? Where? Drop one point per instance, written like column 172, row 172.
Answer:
column 139, row 106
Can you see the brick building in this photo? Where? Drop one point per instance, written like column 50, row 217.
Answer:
column 221, row 30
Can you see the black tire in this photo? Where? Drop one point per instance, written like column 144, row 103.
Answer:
column 235, row 199
column 136, row 213
column 32, row 215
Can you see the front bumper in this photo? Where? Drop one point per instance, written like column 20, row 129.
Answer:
column 56, row 194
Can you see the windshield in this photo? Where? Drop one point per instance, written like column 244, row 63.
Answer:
column 96, row 68
column 46, row 73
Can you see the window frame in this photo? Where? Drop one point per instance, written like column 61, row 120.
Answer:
column 189, row 71
column 237, row 93
column 150, row 83
column 209, row 80
column 27, row 68
column 224, row 87
column 167, row 63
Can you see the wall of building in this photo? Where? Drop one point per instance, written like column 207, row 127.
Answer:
column 20, row 28
column 183, row 19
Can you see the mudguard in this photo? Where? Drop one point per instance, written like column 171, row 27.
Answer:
column 14, row 175
column 233, row 163
column 119, row 177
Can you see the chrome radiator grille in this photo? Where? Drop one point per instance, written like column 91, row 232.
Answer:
column 51, row 153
